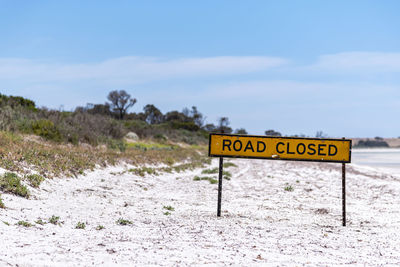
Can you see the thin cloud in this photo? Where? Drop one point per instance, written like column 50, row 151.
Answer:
column 356, row 62
column 134, row 70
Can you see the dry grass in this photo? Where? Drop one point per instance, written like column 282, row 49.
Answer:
column 20, row 153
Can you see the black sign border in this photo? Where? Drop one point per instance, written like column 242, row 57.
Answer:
column 277, row 137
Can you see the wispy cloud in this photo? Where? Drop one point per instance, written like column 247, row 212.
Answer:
column 356, row 62
column 134, row 70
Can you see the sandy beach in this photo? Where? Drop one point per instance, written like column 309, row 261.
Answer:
column 173, row 218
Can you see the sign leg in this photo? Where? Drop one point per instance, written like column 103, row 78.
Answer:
column 344, row 193
column 221, row 167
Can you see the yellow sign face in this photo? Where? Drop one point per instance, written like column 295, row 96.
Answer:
column 284, row 148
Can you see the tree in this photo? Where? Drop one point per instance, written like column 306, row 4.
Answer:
column 240, row 131
column 321, row 134
column 197, row 117
column 152, row 114
column 99, row 109
column 175, row 116
column 210, row 127
column 223, row 125
column 120, row 102
column 272, row 133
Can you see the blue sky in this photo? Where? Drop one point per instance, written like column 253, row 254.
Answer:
column 293, row 66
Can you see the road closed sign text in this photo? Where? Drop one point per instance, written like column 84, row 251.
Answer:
column 284, row 148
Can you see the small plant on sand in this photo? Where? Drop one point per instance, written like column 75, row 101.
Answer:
column 80, row 225
column 11, row 183
column 170, row 208
column 210, row 171
column 122, row 221
column 54, row 220
column 6, row 223
column 24, row 223
column 40, row 221
column 227, row 175
column 143, row 171
column 205, row 178
column 34, row 179
column 99, row 227
column 289, row 188
column 213, row 181
column 229, row 164
column 167, row 213
column 1, row 203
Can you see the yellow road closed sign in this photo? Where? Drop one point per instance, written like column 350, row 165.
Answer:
column 284, row 148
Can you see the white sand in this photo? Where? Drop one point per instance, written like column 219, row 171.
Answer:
column 261, row 223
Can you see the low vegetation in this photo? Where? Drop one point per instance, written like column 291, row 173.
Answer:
column 34, row 179
column 377, row 142
column 2, row 206
column 210, row 171
column 99, row 227
column 24, row 223
column 11, row 183
column 170, row 208
column 289, row 188
column 54, row 220
column 40, row 221
column 122, row 221
column 229, row 164
column 80, row 225
column 205, row 178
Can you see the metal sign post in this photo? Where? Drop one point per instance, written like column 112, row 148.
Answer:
column 221, row 167
column 280, row 148
column 344, row 193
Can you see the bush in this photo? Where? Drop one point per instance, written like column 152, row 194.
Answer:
column 46, row 129
column 80, row 225
column 1, row 203
column 11, row 183
column 34, row 179
column 372, row 143
column 24, row 224
column 190, row 126
column 54, row 220
column 15, row 101
column 122, row 221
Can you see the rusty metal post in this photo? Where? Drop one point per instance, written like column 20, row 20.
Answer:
column 221, row 166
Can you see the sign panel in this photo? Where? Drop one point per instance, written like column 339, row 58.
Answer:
column 283, row 148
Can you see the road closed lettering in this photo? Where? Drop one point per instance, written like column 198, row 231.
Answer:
column 285, row 148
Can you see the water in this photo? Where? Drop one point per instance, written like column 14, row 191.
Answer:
column 382, row 158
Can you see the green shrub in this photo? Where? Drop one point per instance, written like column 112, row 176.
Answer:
column 54, row 220
column 229, row 164
column 11, row 183
column 210, row 171
column 122, row 221
column 40, row 221
column 46, row 129
column 34, row 179
column 1, row 203
column 143, row 171
column 117, row 144
column 80, row 225
column 99, row 227
column 289, row 188
column 190, row 126
column 24, row 223
column 160, row 137
column 205, row 178
column 170, row 208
